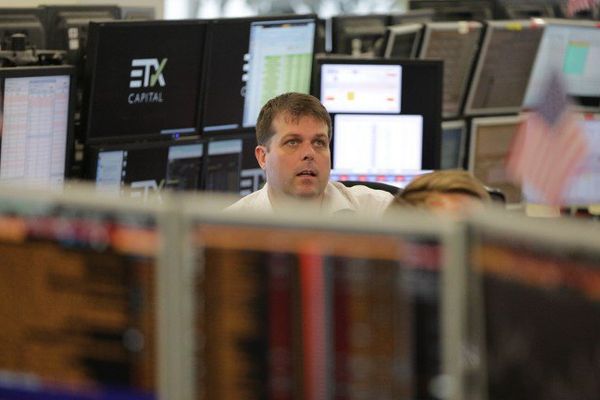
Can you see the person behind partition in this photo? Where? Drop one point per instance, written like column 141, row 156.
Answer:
column 445, row 191
column 293, row 132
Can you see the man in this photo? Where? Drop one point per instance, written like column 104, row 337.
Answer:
column 293, row 132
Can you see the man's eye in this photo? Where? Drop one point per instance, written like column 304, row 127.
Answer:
column 320, row 143
column 292, row 142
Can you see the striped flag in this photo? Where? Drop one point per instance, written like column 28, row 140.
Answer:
column 579, row 5
column 549, row 145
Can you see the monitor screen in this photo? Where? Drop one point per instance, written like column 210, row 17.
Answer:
column 454, row 136
column 79, row 301
column 456, row 43
column 37, row 124
column 490, row 141
column 503, row 67
column 583, row 188
column 573, row 49
column 22, row 20
column 539, row 309
column 402, row 41
column 379, row 87
column 143, row 80
column 251, row 60
column 140, row 170
column 377, row 144
column 361, row 88
column 304, row 295
column 359, row 35
column 223, row 165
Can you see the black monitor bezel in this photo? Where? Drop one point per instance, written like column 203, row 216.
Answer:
column 430, row 157
column 89, row 81
column 206, row 73
column 70, row 71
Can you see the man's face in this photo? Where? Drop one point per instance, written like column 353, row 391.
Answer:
column 296, row 159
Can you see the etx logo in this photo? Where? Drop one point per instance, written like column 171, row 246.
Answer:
column 142, row 68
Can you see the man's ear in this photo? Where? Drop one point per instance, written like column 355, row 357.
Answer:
column 260, row 152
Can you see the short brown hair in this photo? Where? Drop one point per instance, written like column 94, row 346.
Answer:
column 295, row 105
column 445, row 181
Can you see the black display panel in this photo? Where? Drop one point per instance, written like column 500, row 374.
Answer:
column 402, row 41
column 249, row 61
column 223, row 164
column 143, row 169
column 36, row 128
column 79, row 292
column 541, row 312
column 456, row 43
column 391, row 87
column 503, row 66
column 143, row 80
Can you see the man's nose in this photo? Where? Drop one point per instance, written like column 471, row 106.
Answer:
column 308, row 151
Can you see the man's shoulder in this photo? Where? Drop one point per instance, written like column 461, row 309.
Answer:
column 361, row 198
column 256, row 201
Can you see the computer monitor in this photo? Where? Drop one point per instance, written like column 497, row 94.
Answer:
column 223, row 165
column 144, row 169
column 573, row 49
column 359, row 35
column 37, row 124
column 503, row 66
column 143, row 80
column 373, row 89
column 297, row 300
column 67, row 25
column 402, row 41
column 490, row 141
column 455, row 43
column 375, row 144
column 454, row 142
column 583, row 188
column 22, row 20
column 252, row 177
column 537, row 311
column 251, row 60
column 79, row 283
column 456, row 10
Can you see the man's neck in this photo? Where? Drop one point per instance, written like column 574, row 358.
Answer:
column 279, row 200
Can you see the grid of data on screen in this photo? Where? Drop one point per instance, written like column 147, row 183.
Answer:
column 279, row 60
column 34, row 129
column 354, row 88
column 388, row 143
column 572, row 50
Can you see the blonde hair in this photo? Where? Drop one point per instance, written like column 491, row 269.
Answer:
column 444, row 181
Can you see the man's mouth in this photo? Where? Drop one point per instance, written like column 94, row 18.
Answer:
column 306, row 172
